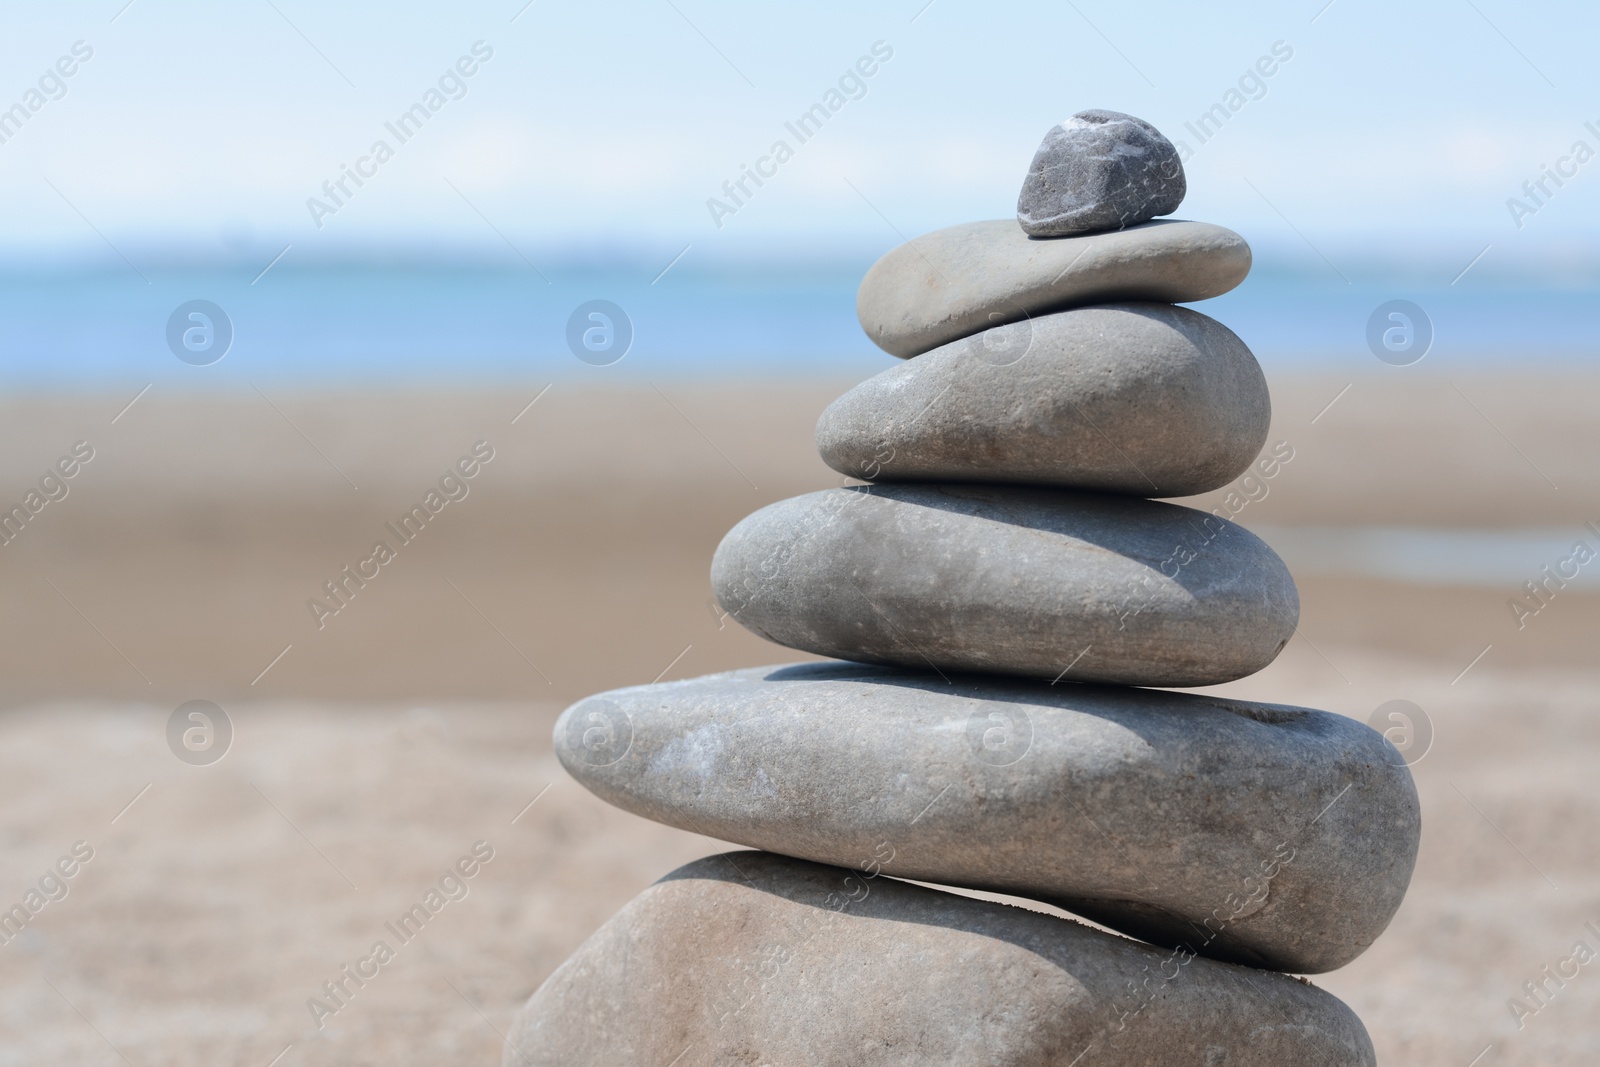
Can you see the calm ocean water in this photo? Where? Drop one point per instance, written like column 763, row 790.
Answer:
column 387, row 326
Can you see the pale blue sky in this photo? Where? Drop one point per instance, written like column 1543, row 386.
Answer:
column 206, row 127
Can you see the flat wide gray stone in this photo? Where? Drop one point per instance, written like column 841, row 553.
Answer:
column 957, row 281
column 1100, row 170
column 1146, row 399
column 754, row 959
column 1040, row 582
column 1255, row 833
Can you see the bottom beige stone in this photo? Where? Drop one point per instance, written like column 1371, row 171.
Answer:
column 753, row 959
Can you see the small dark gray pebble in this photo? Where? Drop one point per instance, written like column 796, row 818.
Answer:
column 1100, row 170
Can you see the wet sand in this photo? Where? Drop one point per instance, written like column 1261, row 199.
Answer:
column 372, row 752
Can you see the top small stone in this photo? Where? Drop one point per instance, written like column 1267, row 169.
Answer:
column 1100, row 170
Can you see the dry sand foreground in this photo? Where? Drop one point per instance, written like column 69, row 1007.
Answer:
column 378, row 750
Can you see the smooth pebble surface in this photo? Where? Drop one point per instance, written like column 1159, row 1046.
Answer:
column 1040, row 582
column 1146, row 399
column 1255, row 833
column 1100, row 170
column 750, row 958
column 958, row 281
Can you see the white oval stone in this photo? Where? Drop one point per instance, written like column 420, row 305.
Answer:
column 957, row 281
column 1039, row 582
column 1145, row 399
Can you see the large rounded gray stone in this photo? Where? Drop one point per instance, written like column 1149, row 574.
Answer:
column 1100, row 170
column 954, row 282
column 1147, row 399
column 749, row 958
column 1255, row 833
column 1038, row 582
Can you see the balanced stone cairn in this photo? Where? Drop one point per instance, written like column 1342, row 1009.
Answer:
column 991, row 596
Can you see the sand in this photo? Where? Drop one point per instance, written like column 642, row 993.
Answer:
column 376, row 750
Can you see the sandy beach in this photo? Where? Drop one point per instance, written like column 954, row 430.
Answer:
column 376, row 744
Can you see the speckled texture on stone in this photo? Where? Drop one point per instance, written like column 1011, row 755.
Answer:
column 749, row 958
column 1144, row 399
column 954, row 282
column 1100, row 170
column 1292, row 831
column 1040, row 582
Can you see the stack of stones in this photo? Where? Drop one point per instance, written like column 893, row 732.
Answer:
column 992, row 595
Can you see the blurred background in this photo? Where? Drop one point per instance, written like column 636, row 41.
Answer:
column 360, row 335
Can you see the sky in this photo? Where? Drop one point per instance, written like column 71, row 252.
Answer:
column 603, row 128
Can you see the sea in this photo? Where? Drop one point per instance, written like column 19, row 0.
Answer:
column 416, row 322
